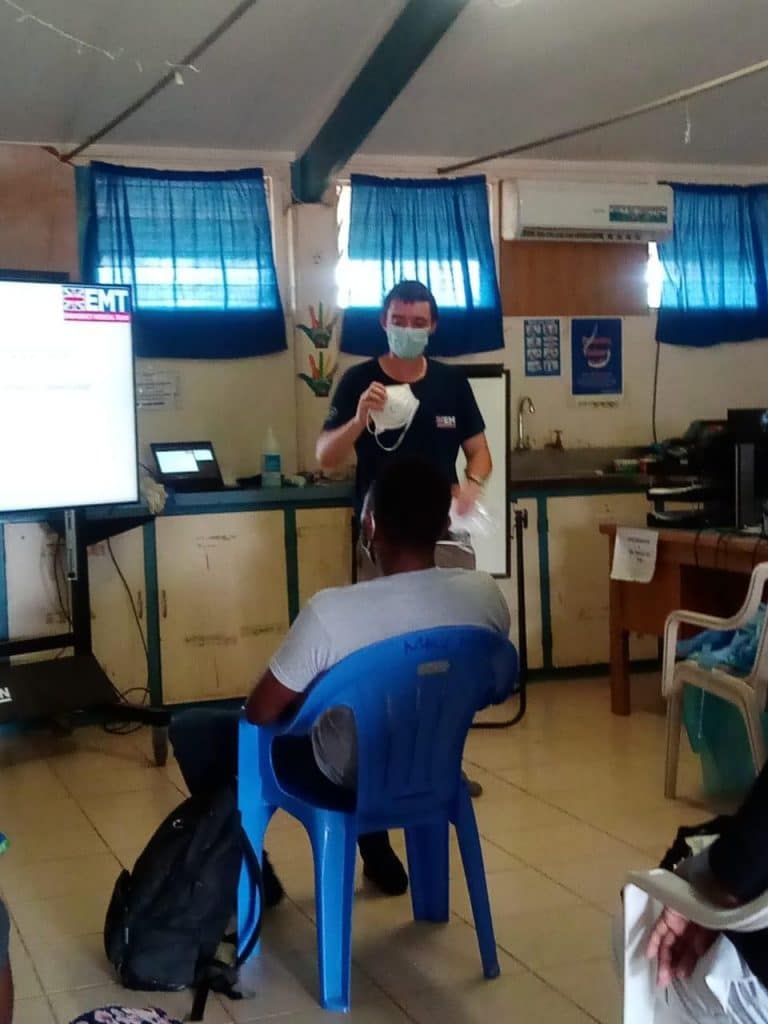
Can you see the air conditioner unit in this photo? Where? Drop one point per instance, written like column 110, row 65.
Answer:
column 577, row 212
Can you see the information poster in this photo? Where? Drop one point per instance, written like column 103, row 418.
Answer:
column 596, row 356
column 542, row 347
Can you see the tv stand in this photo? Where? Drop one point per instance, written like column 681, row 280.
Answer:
column 75, row 685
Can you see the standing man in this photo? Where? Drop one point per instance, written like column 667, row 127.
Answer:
column 406, row 404
column 433, row 413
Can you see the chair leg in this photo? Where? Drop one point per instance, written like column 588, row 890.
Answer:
column 254, row 817
column 674, row 722
column 428, row 867
column 474, row 870
column 754, row 726
column 334, row 849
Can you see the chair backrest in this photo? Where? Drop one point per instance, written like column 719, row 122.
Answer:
column 413, row 698
column 759, row 674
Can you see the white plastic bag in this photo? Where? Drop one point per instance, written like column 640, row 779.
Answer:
column 477, row 522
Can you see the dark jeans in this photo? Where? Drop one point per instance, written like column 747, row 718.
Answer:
column 205, row 744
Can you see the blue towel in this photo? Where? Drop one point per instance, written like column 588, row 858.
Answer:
column 733, row 650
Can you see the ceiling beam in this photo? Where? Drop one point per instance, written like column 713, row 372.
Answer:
column 417, row 30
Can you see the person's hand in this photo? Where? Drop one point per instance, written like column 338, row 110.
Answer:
column 466, row 496
column 677, row 945
column 373, row 398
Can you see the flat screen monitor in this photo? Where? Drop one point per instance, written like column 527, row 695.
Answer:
column 188, row 465
column 67, row 406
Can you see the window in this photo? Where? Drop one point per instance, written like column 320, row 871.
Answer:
column 714, row 285
column 364, row 282
column 436, row 231
column 197, row 250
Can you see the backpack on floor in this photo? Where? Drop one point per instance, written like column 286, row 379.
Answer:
column 166, row 922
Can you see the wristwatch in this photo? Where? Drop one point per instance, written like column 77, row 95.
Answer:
column 474, row 479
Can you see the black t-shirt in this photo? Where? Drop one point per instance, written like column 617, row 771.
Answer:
column 739, row 862
column 447, row 416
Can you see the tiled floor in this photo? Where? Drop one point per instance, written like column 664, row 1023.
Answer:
column 573, row 799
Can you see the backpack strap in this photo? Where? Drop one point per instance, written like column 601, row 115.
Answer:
column 253, row 867
column 203, row 988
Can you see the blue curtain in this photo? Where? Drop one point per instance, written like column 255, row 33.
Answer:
column 715, row 263
column 434, row 231
column 196, row 248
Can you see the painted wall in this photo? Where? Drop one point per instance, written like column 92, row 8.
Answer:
column 693, row 384
column 37, row 211
column 233, row 403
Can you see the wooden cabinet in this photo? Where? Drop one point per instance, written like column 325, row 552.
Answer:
column 578, row 575
column 118, row 638
column 223, row 601
column 324, row 549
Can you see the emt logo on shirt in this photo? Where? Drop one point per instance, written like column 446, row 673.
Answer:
column 445, row 422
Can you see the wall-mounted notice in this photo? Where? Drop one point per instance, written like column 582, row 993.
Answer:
column 158, row 389
column 542, row 347
column 596, row 356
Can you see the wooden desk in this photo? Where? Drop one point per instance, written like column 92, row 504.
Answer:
column 698, row 570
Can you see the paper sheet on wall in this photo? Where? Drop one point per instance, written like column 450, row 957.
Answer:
column 157, row 389
column 634, row 555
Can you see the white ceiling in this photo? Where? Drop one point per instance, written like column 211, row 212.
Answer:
column 501, row 76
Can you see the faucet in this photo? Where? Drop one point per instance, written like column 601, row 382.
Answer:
column 523, row 442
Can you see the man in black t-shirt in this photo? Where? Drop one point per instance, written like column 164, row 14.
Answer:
column 438, row 417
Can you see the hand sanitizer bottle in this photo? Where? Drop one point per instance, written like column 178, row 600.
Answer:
column 271, row 469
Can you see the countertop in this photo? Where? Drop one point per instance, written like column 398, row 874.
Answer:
column 573, row 469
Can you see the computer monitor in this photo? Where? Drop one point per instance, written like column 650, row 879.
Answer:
column 748, row 429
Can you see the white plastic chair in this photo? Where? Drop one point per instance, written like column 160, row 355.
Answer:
column 747, row 693
column 646, row 893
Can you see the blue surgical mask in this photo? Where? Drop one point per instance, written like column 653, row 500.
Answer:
column 407, row 342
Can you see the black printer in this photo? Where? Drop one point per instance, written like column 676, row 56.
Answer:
column 715, row 475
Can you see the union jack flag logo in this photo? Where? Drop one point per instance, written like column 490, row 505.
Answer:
column 74, row 300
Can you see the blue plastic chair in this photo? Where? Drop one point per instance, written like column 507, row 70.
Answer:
column 413, row 698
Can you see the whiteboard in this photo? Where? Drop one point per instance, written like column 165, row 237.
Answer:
column 490, row 384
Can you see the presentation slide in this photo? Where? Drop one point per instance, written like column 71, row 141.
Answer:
column 67, row 408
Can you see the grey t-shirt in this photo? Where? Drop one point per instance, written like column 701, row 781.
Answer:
column 336, row 622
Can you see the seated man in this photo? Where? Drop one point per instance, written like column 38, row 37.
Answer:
column 733, row 870
column 410, row 509
column 6, row 981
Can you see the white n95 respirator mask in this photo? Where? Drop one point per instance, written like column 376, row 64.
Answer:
column 397, row 414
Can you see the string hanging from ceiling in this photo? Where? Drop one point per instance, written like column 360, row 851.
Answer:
column 80, row 44
column 681, row 96
column 83, row 45
column 173, row 74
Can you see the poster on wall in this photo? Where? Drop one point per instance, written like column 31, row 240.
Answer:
column 542, row 347
column 596, row 356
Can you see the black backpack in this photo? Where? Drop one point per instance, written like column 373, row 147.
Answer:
column 167, row 919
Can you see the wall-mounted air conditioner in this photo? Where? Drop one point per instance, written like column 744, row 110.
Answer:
column 577, row 212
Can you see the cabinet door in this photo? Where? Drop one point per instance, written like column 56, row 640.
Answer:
column 223, row 601
column 578, row 575
column 117, row 642
column 33, row 556
column 532, row 585
column 324, row 541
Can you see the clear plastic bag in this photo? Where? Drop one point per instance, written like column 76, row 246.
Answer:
column 478, row 521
